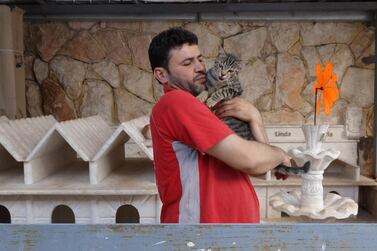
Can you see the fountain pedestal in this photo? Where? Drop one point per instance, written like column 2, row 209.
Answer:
column 310, row 201
column 312, row 191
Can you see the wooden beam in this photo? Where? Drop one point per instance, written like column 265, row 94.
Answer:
column 353, row 237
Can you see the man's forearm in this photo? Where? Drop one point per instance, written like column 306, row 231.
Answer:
column 251, row 157
column 266, row 164
column 263, row 157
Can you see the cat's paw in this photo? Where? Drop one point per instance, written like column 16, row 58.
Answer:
column 211, row 103
column 202, row 96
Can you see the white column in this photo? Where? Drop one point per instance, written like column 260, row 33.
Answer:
column 12, row 79
column 18, row 47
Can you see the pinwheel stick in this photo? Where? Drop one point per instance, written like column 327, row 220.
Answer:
column 315, row 104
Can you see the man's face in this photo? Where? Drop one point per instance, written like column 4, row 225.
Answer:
column 186, row 69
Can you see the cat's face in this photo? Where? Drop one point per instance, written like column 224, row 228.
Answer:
column 226, row 66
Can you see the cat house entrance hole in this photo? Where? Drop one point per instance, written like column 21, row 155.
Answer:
column 127, row 214
column 62, row 214
column 4, row 215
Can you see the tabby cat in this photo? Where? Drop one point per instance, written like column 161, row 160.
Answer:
column 223, row 84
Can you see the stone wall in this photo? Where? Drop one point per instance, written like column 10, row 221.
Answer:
column 78, row 69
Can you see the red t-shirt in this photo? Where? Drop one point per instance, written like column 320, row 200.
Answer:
column 195, row 187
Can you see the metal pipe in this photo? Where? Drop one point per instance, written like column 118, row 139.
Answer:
column 128, row 17
column 291, row 16
column 205, row 11
column 261, row 16
column 375, row 102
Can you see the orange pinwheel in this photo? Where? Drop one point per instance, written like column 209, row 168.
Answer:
column 326, row 81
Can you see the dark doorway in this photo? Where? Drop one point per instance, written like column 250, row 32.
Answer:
column 127, row 214
column 62, row 214
column 4, row 215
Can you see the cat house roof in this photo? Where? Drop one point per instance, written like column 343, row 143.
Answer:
column 85, row 136
column 19, row 137
column 130, row 129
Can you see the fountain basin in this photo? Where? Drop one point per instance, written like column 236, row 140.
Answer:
column 333, row 206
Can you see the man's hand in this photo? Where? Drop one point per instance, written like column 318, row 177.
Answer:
column 286, row 159
column 238, row 108
column 287, row 162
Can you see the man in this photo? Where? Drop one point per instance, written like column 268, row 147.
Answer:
column 202, row 167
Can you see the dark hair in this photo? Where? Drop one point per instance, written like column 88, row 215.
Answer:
column 164, row 42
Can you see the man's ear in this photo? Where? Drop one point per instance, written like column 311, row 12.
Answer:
column 161, row 75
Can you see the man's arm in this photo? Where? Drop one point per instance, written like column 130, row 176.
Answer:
column 251, row 157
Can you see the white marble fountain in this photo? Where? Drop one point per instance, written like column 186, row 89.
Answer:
column 310, row 200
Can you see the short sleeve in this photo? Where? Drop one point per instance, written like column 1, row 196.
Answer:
column 184, row 118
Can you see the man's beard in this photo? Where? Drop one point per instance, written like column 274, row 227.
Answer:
column 192, row 88
column 195, row 90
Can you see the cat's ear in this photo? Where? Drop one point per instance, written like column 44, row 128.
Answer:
column 233, row 56
column 238, row 61
column 240, row 64
column 221, row 51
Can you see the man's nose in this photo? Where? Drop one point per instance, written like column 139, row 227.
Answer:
column 199, row 66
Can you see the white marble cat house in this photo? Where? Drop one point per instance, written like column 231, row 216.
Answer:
column 58, row 186
column 124, row 164
column 134, row 129
column 19, row 137
column 114, row 151
column 64, row 145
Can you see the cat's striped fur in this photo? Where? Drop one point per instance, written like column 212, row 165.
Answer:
column 223, row 84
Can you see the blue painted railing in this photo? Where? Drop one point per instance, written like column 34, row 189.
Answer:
column 302, row 237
